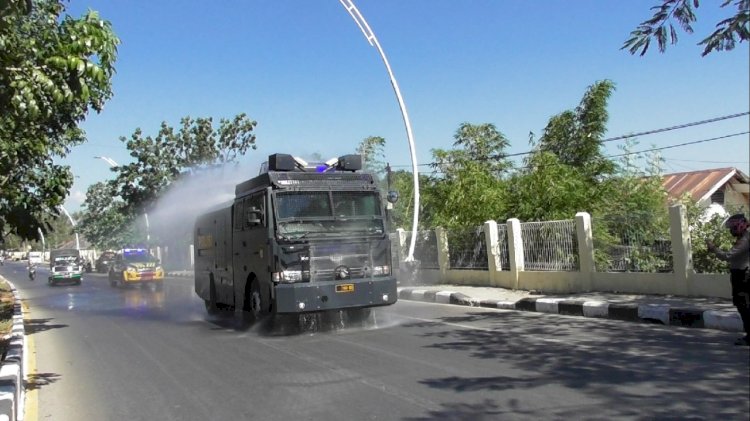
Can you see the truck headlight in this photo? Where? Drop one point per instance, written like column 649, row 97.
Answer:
column 290, row 276
column 381, row 270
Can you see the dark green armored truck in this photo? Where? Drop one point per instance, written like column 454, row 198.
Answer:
column 298, row 238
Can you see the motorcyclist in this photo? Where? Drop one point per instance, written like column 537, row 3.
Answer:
column 32, row 271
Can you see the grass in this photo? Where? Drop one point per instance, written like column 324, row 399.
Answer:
column 6, row 314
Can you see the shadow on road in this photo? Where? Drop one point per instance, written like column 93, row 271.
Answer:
column 32, row 326
column 631, row 370
column 38, row 380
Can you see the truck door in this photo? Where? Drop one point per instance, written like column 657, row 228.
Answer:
column 250, row 244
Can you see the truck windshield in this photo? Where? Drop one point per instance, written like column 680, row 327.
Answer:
column 328, row 213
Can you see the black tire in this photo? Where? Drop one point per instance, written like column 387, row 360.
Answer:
column 358, row 315
column 254, row 309
column 211, row 307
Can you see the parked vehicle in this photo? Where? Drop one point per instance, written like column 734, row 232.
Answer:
column 136, row 266
column 298, row 238
column 36, row 257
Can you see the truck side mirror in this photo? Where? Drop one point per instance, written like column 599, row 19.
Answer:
column 392, row 196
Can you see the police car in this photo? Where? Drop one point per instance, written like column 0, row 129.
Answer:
column 136, row 266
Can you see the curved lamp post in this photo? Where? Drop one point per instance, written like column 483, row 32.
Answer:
column 367, row 32
column 72, row 222
column 112, row 163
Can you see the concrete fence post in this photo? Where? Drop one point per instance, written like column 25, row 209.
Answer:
column 441, row 237
column 401, row 243
column 682, row 258
column 515, row 249
column 494, row 266
column 585, row 237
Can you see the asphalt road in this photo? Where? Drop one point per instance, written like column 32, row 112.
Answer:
column 102, row 353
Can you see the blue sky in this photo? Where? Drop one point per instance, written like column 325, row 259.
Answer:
column 306, row 74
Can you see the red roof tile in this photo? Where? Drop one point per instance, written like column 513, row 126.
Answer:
column 701, row 184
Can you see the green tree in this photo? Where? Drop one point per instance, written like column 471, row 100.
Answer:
column 575, row 136
column 660, row 27
column 475, row 145
column 467, row 188
column 161, row 159
column 54, row 69
column 371, row 149
column 104, row 220
column 547, row 189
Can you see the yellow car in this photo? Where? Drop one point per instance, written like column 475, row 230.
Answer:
column 134, row 267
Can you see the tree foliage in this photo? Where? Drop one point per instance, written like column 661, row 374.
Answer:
column 467, row 180
column 159, row 160
column 575, row 136
column 660, row 27
column 54, row 69
column 371, row 150
column 104, row 220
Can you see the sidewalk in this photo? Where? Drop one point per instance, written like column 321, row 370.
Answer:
column 702, row 312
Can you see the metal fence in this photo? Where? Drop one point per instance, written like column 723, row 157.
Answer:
column 467, row 249
column 502, row 247
column 550, row 245
column 425, row 249
column 626, row 244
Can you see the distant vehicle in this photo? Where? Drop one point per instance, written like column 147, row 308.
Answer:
column 298, row 238
column 65, row 266
column 104, row 261
column 36, row 257
column 136, row 267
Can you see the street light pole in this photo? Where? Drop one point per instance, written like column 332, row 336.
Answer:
column 112, row 163
column 72, row 222
column 370, row 35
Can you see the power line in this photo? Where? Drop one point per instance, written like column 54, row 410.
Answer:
column 678, row 145
column 708, row 162
column 621, row 137
column 680, row 126
column 437, row 170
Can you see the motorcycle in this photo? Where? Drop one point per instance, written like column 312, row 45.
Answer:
column 32, row 273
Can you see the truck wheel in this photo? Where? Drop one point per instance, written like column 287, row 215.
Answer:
column 211, row 307
column 358, row 315
column 254, row 306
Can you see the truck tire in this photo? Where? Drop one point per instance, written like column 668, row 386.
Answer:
column 254, row 308
column 211, row 307
column 358, row 315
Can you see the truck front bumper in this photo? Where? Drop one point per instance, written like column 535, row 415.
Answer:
column 335, row 295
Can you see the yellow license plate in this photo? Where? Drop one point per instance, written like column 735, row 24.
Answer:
column 345, row 288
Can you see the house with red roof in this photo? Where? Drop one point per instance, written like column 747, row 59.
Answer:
column 720, row 189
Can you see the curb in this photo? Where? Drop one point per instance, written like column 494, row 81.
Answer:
column 12, row 367
column 662, row 314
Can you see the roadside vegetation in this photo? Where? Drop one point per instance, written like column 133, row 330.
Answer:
column 6, row 314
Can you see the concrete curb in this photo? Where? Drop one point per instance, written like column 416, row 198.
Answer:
column 12, row 367
column 661, row 314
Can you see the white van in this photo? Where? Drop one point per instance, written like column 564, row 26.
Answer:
column 36, row 258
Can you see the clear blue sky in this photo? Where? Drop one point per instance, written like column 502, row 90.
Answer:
column 305, row 73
